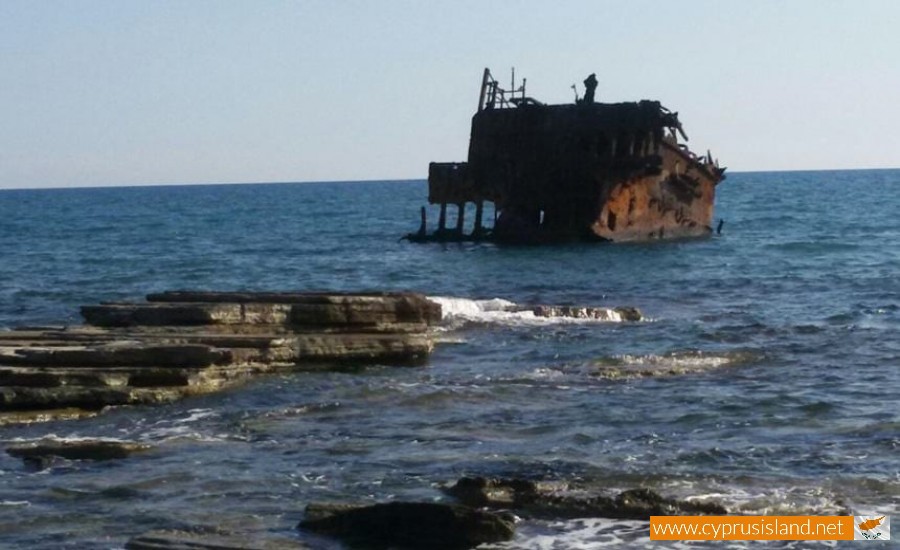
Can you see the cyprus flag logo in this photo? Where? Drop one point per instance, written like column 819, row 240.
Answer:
column 871, row 527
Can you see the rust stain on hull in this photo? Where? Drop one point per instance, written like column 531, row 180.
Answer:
column 582, row 171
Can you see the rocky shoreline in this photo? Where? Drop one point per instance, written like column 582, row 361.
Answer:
column 455, row 525
column 178, row 344
column 482, row 511
column 473, row 510
column 184, row 343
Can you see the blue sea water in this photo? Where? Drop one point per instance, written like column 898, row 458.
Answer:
column 776, row 344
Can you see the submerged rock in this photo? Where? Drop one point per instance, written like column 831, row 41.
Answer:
column 671, row 364
column 409, row 524
column 630, row 313
column 41, row 453
column 187, row 540
column 554, row 502
column 40, row 462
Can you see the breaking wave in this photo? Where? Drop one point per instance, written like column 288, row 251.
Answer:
column 460, row 311
column 193, row 427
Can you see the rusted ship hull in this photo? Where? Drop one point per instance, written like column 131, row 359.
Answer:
column 584, row 171
column 677, row 202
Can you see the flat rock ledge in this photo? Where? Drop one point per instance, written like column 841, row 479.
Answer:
column 549, row 501
column 183, row 343
column 409, row 525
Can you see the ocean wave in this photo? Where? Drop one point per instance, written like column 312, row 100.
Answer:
column 195, row 426
column 185, row 433
column 457, row 312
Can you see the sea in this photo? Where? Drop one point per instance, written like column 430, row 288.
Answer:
column 765, row 376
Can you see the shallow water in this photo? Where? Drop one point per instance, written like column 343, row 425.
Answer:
column 766, row 376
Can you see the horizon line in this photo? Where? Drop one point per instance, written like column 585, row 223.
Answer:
column 380, row 180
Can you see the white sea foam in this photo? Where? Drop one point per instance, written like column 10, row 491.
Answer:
column 183, row 433
column 197, row 414
column 577, row 534
column 183, row 428
column 686, row 360
column 464, row 307
column 457, row 311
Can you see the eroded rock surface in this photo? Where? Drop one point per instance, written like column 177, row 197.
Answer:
column 409, row 524
column 184, row 343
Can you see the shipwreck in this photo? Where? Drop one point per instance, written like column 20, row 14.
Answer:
column 580, row 171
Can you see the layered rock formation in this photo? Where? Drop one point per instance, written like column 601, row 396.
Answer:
column 183, row 343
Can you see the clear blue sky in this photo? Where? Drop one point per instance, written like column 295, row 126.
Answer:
column 121, row 92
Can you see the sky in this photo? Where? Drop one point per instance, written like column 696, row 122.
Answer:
column 127, row 92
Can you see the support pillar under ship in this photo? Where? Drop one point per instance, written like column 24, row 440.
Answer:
column 582, row 171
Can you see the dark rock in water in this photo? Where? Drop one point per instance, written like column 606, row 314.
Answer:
column 409, row 524
column 495, row 493
column 186, row 540
column 40, row 462
column 545, row 501
column 40, row 453
column 321, row 510
column 630, row 313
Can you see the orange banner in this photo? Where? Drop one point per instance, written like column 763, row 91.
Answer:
column 751, row 528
